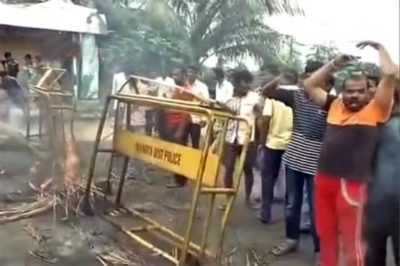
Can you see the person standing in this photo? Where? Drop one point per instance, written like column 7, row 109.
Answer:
column 275, row 129
column 200, row 89
column 10, row 65
column 244, row 102
column 119, row 80
column 174, row 124
column 223, row 88
column 347, row 153
column 300, row 158
column 25, row 76
column 384, row 194
column 14, row 91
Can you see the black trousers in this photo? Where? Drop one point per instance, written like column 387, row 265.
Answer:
column 195, row 134
column 269, row 174
column 382, row 222
column 167, row 133
column 231, row 153
column 150, row 116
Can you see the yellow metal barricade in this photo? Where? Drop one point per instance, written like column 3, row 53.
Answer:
column 52, row 101
column 198, row 165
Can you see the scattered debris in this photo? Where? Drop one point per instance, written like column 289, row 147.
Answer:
column 45, row 256
column 25, row 211
column 228, row 259
column 120, row 257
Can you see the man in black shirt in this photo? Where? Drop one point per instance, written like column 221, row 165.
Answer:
column 10, row 85
column 10, row 65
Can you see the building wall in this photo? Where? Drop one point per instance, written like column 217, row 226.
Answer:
column 20, row 46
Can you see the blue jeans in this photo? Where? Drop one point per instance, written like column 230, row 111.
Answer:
column 293, row 202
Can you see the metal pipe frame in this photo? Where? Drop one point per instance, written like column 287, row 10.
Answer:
column 184, row 242
column 51, row 111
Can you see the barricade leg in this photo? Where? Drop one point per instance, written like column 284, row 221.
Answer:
column 196, row 195
column 86, row 204
column 122, row 180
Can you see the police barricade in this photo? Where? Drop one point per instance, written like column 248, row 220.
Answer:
column 201, row 166
column 52, row 101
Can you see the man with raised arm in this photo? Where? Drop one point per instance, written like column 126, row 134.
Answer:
column 301, row 156
column 347, row 152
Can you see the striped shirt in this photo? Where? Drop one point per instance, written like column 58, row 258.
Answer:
column 309, row 123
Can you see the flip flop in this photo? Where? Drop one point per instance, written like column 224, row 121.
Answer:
column 284, row 249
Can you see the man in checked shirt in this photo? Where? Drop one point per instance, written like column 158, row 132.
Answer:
column 244, row 103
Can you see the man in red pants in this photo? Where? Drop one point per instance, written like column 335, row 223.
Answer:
column 347, row 152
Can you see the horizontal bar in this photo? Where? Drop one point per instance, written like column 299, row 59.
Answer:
column 35, row 135
column 64, row 107
column 142, row 242
column 143, row 228
column 166, row 230
column 177, row 244
column 158, row 227
column 217, row 191
column 105, row 150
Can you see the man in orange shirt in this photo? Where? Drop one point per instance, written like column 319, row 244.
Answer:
column 174, row 124
column 347, row 152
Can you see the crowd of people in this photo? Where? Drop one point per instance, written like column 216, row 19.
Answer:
column 15, row 80
column 334, row 129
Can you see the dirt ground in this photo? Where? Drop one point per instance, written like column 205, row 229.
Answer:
column 79, row 240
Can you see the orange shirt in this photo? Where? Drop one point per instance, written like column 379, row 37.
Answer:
column 175, row 117
column 351, row 139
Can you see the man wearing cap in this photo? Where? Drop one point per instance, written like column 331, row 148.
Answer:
column 347, row 152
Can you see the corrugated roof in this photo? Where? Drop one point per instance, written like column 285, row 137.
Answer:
column 59, row 15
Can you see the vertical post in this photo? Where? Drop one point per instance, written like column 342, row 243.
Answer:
column 126, row 159
column 28, row 119
column 94, row 154
column 212, row 196
column 40, row 129
column 110, row 166
column 199, row 183
column 237, row 176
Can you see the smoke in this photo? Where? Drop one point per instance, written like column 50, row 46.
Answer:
column 12, row 127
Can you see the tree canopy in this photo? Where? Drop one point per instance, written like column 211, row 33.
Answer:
column 153, row 34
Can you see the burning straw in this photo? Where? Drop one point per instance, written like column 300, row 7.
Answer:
column 49, row 194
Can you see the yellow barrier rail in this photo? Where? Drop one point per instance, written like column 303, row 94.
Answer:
column 198, row 165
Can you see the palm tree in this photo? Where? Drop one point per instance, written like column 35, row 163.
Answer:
column 229, row 29
column 151, row 33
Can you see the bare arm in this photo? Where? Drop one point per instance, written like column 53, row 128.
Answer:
column 315, row 83
column 385, row 91
column 268, row 89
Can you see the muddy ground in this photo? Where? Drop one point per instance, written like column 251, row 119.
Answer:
column 79, row 240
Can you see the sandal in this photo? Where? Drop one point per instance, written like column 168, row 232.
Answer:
column 222, row 207
column 284, row 248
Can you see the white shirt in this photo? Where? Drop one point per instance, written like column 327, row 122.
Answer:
column 223, row 91
column 243, row 107
column 165, row 91
column 199, row 88
column 138, row 116
column 118, row 81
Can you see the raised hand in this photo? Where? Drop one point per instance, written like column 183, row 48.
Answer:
column 343, row 60
column 375, row 45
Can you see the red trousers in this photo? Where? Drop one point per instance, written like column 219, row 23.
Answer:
column 338, row 208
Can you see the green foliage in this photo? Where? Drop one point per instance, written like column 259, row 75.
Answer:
column 152, row 35
column 322, row 53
